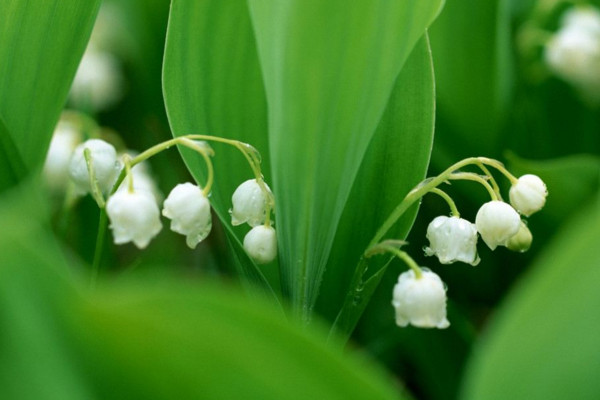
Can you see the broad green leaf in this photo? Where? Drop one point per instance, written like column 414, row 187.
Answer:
column 212, row 85
column 571, row 181
column 329, row 70
column 395, row 162
column 150, row 339
column 12, row 167
column 41, row 43
column 543, row 343
column 471, row 47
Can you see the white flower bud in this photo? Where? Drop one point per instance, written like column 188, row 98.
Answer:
column 497, row 222
column 452, row 239
column 189, row 212
column 134, row 217
column 249, row 204
column 520, row 242
column 420, row 302
column 98, row 81
column 105, row 162
column 261, row 244
column 56, row 168
column 528, row 195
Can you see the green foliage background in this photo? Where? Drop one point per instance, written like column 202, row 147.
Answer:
column 342, row 101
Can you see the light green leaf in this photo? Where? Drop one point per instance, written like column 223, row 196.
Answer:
column 41, row 43
column 395, row 162
column 543, row 343
column 329, row 71
column 212, row 85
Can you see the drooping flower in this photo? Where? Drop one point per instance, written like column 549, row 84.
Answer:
column 261, row 244
column 452, row 239
column 134, row 217
column 189, row 211
column 56, row 167
column 249, row 204
column 497, row 222
column 528, row 194
column 420, row 301
column 105, row 162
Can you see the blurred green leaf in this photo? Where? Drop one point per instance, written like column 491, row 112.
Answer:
column 41, row 43
column 12, row 167
column 471, row 47
column 572, row 181
column 543, row 343
column 150, row 339
column 395, row 162
column 212, row 85
column 329, row 71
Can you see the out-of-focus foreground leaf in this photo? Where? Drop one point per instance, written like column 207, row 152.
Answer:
column 543, row 344
column 41, row 43
column 149, row 339
column 213, row 86
column 329, row 70
column 395, row 162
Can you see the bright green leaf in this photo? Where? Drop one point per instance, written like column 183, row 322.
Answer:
column 395, row 162
column 41, row 43
column 329, row 71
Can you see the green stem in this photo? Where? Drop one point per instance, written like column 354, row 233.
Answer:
column 470, row 176
column 492, row 180
column 96, row 192
column 387, row 248
column 425, row 187
column 444, row 195
column 102, row 223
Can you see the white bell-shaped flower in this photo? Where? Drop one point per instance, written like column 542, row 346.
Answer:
column 452, row 239
column 134, row 217
column 249, row 204
column 105, row 162
column 497, row 222
column 189, row 212
column 528, row 195
column 421, row 301
column 56, row 167
column 261, row 244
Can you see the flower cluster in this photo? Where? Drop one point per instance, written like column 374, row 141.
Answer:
column 419, row 297
column 133, row 199
column 573, row 53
